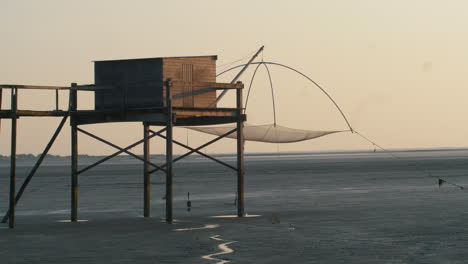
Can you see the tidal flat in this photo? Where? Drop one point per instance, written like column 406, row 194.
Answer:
column 350, row 207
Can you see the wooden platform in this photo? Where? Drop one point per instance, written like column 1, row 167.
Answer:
column 163, row 92
column 155, row 116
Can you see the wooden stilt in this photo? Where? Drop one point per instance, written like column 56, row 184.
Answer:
column 36, row 167
column 14, row 107
column 146, row 170
column 56, row 100
column 74, row 155
column 240, row 155
column 169, row 174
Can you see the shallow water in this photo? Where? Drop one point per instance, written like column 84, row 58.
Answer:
column 314, row 208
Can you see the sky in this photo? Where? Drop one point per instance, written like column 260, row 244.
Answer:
column 396, row 68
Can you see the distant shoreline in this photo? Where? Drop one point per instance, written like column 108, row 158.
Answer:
column 251, row 154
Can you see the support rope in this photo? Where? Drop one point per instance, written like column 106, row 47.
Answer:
column 422, row 169
column 305, row 76
column 225, row 65
column 250, row 86
column 392, row 154
column 271, row 88
column 272, row 94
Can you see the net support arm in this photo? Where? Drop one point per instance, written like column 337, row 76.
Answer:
column 238, row 75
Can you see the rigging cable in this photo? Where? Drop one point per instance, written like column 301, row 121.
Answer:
column 418, row 166
column 271, row 88
column 305, row 76
column 272, row 94
column 225, row 65
column 273, row 103
column 440, row 181
column 250, row 86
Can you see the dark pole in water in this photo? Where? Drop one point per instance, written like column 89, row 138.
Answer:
column 74, row 154
column 14, row 108
column 146, row 170
column 189, row 203
column 1, row 93
column 240, row 155
column 169, row 173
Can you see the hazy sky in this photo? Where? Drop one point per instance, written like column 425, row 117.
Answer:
column 397, row 68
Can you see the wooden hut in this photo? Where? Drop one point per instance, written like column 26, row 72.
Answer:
column 138, row 83
column 134, row 90
column 165, row 92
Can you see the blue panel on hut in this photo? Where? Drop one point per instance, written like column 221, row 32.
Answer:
column 136, row 83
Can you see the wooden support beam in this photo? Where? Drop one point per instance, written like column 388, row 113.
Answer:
column 32, row 113
column 33, row 87
column 74, row 156
column 205, row 109
column 193, row 93
column 121, row 151
column 36, row 166
column 169, row 174
column 87, row 113
column 86, row 87
column 117, row 147
column 195, row 150
column 208, row 85
column 240, row 155
column 146, row 171
column 201, row 153
column 56, row 100
column 190, row 112
column 14, row 107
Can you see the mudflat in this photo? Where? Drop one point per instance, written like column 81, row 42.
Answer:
column 306, row 208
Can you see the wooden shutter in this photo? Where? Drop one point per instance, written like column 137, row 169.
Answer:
column 187, row 75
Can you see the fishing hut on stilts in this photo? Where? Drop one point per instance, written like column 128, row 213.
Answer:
column 164, row 92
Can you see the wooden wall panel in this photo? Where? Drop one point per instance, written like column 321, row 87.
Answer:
column 204, row 70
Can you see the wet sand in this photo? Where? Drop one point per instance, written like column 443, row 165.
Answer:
column 337, row 208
